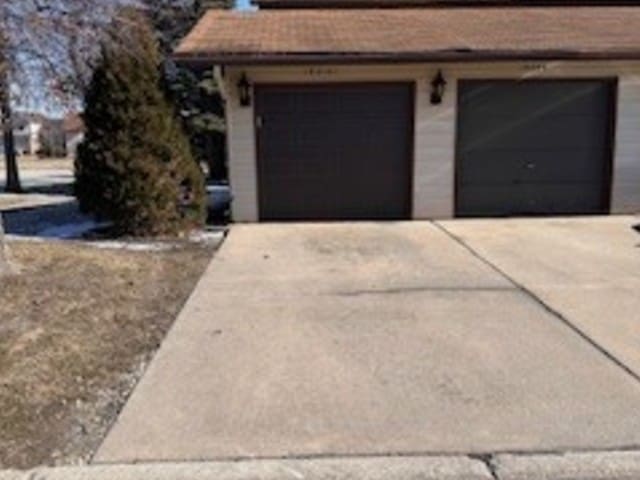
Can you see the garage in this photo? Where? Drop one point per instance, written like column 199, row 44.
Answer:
column 534, row 147
column 334, row 152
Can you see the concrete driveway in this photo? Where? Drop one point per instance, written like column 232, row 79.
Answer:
column 587, row 270
column 399, row 338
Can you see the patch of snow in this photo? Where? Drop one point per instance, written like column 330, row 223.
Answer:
column 204, row 237
column 133, row 246
column 25, row 238
column 75, row 231
column 207, row 237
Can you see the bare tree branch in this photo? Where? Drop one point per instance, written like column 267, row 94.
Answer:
column 52, row 46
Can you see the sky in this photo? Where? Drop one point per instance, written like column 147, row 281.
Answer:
column 44, row 105
column 242, row 4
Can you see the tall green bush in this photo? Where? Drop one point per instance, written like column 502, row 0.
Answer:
column 192, row 89
column 135, row 166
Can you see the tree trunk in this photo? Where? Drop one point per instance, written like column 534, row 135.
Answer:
column 13, row 179
column 6, row 115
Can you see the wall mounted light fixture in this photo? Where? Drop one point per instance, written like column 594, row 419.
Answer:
column 438, row 85
column 244, row 91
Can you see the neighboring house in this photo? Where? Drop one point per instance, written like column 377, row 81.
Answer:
column 36, row 134
column 73, row 133
column 431, row 109
column 26, row 133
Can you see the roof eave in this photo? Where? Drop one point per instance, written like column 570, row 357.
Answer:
column 285, row 58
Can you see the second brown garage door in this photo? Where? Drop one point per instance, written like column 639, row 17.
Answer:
column 331, row 152
column 536, row 147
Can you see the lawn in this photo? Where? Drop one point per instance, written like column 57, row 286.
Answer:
column 77, row 327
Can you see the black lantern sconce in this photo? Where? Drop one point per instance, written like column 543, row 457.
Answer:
column 438, row 85
column 244, row 91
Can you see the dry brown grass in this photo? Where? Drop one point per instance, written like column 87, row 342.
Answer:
column 31, row 162
column 76, row 327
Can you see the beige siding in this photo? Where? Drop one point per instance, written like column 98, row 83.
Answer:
column 241, row 148
column 435, row 126
column 433, row 185
column 625, row 197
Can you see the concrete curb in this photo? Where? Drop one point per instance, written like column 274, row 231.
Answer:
column 389, row 468
column 570, row 466
column 12, row 475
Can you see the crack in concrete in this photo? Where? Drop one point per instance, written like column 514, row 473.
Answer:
column 568, row 323
column 489, row 462
column 392, row 291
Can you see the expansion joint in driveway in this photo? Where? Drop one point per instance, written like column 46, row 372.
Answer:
column 603, row 351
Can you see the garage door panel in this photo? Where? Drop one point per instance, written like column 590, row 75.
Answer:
column 490, row 200
column 322, row 193
column 557, row 166
column 568, row 97
column 556, row 133
column 521, row 166
column 492, row 167
column 570, row 199
column 533, row 147
column 335, row 151
column 529, row 199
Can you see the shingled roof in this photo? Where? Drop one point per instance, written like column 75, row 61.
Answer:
column 379, row 35
column 432, row 3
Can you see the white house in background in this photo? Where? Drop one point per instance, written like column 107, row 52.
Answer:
column 27, row 130
column 51, row 137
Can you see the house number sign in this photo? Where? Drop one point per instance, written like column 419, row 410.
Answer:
column 318, row 71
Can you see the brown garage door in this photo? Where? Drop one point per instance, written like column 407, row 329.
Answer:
column 329, row 152
column 534, row 147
